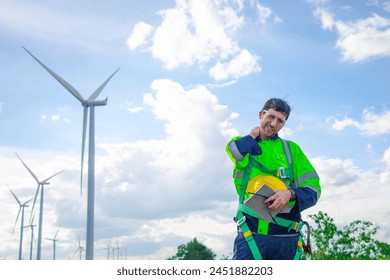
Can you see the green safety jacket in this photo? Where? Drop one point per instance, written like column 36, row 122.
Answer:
column 280, row 158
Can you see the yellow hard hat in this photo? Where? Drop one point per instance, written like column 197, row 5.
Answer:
column 258, row 181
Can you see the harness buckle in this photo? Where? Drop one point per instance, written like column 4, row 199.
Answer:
column 282, row 172
column 294, row 226
column 241, row 221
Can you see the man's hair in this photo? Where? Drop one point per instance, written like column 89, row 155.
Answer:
column 279, row 105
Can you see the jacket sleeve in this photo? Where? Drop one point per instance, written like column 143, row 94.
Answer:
column 307, row 181
column 239, row 147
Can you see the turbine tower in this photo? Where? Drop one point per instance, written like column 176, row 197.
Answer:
column 54, row 239
column 21, row 209
column 90, row 103
column 31, row 226
column 41, row 185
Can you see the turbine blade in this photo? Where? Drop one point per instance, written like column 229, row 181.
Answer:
column 15, row 197
column 46, row 180
column 85, row 119
column 96, row 93
column 55, row 236
column 70, row 88
column 17, row 217
column 25, row 204
column 33, row 207
column 29, row 170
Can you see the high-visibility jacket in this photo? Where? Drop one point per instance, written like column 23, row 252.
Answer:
column 300, row 176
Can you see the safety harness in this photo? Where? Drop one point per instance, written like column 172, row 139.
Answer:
column 285, row 174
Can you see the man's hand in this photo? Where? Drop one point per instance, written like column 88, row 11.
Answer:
column 279, row 200
column 255, row 132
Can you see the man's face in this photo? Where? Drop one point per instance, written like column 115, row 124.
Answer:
column 271, row 122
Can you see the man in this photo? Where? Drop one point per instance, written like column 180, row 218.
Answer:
column 264, row 153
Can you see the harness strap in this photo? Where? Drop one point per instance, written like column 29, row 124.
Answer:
column 284, row 173
column 241, row 222
column 298, row 253
column 281, row 172
column 291, row 225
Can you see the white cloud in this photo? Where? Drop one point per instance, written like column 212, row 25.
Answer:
column 207, row 226
column 140, row 35
column 131, row 108
column 263, row 12
column 385, row 176
column 55, row 118
column 369, row 149
column 372, row 124
column 386, row 158
column 242, row 65
column 52, row 118
column 339, row 125
column 336, row 172
column 277, row 20
column 325, row 17
column 364, row 39
column 199, row 32
column 317, row 2
column 376, row 124
column 361, row 39
column 285, row 132
column 194, row 32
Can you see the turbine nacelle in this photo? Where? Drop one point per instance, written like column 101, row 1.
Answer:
column 95, row 103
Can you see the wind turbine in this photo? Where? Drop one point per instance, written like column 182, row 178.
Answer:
column 90, row 103
column 79, row 250
column 21, row 209
column 54, row 239
column 108, row 248
column 41, row 185
column 117, row 250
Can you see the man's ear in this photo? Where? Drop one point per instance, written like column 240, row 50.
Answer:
column 261, row 114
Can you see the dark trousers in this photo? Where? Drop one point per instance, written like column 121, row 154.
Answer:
column 272, row 247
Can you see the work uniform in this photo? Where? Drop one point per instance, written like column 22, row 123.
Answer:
column 273, row 240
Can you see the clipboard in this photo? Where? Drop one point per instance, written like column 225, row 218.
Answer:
column 256, row 203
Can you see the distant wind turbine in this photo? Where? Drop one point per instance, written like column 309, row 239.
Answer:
column 21, row 209
column 91, row 103
column 41, row 185
column 108, row 248
column 118, row 250
column 79, row 250
column 54, row 239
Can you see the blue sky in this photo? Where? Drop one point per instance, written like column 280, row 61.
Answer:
column 192, row 75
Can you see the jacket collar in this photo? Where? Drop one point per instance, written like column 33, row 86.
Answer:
column 258, row 139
